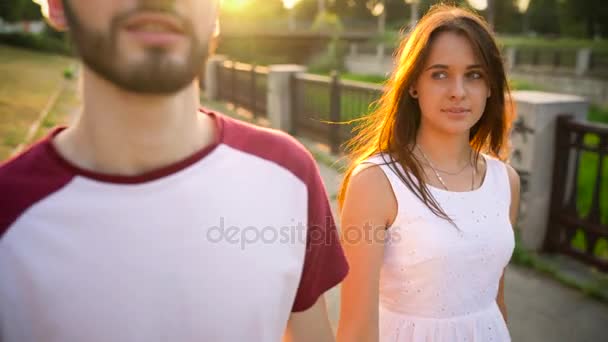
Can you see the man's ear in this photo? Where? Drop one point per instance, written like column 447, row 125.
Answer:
column 57, row 17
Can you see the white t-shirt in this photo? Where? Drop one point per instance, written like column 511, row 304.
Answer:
column 221, row 246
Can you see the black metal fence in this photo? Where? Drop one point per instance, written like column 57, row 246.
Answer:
column 324, row 107
column 560, row 60
column 599, row 64
column 244, row 85
column 578, row 220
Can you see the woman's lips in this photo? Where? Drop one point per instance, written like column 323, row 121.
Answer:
column 456, row 110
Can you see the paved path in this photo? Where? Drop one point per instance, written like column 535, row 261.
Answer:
column 540, row 309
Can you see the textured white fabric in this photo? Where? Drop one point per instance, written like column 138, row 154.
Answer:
column 146, row 255
column 439, row 282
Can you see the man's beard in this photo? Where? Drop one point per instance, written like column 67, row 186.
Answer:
column 157, row 74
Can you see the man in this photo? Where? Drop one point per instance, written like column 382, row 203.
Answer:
column 152, row 220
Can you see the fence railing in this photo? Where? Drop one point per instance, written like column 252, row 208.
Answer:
column 598, row 65
column 323, row 106
column 244, row 85
column 546, row 58
column 578, row 221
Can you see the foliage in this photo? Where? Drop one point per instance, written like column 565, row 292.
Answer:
column 18, row 10
column 543, row 16
column 40, row 42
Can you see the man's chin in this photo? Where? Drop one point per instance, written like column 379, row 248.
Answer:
column 145, row 79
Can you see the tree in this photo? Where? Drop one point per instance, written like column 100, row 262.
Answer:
column 544, row 16
column 507, row 18
column 19, row 10
column 592, row 15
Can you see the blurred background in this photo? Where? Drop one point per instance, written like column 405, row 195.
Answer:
column 335, row 56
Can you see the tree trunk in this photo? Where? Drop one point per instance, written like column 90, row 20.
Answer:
column 382, row 20
column 491, row 12
column 320, row 6
column 414, row 13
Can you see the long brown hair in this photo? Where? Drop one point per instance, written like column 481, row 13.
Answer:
column 392, row 127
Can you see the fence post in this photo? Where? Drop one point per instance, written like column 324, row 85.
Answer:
column 334, row 112
column 233, row 96
column 583, row 61
column 560, row 165
column 511, row 58
column 212, row 76
column 556, row 58
column 353, row 49
column 253, row 92
column 533, row 142
column 280, row 96
column 293, row 103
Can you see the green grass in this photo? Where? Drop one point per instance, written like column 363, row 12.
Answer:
column 598, row 114
column 379, row 79
column 587, row 179
column 66, row 105
column 28, row 80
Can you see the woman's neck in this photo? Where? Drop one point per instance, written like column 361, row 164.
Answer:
column 444, row 151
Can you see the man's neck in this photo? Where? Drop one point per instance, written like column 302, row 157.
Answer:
column 123, row 133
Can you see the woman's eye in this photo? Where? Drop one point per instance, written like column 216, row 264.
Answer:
column 475, row 75
column 439, row 75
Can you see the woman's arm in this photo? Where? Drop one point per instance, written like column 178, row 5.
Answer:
column 513, row 211
column 311, row 325
column 369, row 207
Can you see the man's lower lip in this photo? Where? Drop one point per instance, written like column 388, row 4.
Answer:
column 155, row 38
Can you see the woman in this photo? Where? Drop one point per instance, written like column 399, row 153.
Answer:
column 426, row 171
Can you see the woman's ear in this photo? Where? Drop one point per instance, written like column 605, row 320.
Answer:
column 57, row 17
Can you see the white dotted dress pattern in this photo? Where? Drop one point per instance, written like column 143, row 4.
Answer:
column 439, row 282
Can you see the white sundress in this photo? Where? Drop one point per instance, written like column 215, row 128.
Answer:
column 439, row 282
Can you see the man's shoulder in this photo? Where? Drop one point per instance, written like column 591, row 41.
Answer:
column 27, row 178
column 24, row 165
column 270, row 144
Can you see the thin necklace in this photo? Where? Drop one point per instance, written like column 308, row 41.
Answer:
column 437, row 173
column 453, row 173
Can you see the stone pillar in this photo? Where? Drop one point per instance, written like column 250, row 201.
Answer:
column 533, row 139
column 380, row 52
column 280, row 95
column 353, row 49
column 212, row 76
column 583, row 61
column 510, row 58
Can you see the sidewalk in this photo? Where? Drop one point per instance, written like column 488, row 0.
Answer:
column 539, row 308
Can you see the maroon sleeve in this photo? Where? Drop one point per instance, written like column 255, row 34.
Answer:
column 325, row 265
column 28, row 178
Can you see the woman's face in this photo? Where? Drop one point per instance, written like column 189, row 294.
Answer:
column 452, row 88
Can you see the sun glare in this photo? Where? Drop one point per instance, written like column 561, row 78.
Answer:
column 234, row 5
column 289, row 4
column 43, row 6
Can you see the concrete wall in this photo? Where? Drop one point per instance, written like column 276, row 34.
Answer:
column 595, row 90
